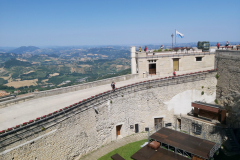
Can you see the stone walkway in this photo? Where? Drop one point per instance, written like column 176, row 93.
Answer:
column 113, row 145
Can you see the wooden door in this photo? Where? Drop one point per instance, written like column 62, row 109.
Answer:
column 118, row 129
column 152, row 68
column 176, row 64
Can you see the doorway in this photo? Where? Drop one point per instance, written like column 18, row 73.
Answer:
column 176, row 64
column 152, row 69
column 118, row 129
column 158, row 123
column 179, row 123
column 136, row 128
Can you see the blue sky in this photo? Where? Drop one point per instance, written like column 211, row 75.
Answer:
column 116, row 22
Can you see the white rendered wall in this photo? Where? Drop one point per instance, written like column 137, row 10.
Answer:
column 133, row 60
column 181, row 103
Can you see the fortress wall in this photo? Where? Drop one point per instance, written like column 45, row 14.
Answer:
column 81, row 129
column 228, row 64
column 67, row 89
column 228, row 85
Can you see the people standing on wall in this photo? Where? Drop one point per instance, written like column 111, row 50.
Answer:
column 174, row 73
column 113, row 86
column 145, row 49
column 227, row 44
column 217, row 45
column 140, row 49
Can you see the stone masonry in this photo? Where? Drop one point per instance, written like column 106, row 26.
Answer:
column 88, row 125
column 228, row 86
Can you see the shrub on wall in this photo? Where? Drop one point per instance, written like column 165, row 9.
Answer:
column 167, row 50
column 9, row 129
column 217, row 76
column 3, row 131
column 216, row 101
column 202, row 93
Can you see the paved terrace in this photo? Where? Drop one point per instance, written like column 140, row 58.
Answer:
column 23, row 112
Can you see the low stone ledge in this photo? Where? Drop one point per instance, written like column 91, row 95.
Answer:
column 84, row 86
column 15, row 101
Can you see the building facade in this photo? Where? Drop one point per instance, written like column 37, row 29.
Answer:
column 165, row 63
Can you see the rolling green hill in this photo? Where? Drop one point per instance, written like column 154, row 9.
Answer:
column 14, row 62
column 24, row 49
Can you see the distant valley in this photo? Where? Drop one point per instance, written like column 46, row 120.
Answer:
column 31, row 68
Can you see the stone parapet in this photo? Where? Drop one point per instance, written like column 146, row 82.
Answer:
column 67, row 89
column 15, row 101
column 84, row 86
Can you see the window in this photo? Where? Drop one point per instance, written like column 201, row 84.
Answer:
column 168, row 124
column 152, row 61
column 198, row 58
column 196, row 128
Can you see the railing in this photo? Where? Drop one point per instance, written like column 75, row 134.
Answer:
column 214, row 149
column 22, row 131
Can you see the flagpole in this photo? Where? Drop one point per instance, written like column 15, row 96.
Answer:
column 175, row 37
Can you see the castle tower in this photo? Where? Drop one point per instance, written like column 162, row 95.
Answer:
column 133, row 60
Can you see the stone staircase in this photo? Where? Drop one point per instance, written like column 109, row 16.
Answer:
column 232, row 143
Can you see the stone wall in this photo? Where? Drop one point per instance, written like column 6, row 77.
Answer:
column 91, row 123
column 208, row 131
column 228, row 86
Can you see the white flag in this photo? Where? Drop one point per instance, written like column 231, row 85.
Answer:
column 178, row 34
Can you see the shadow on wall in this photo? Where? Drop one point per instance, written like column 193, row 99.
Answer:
column 181, row 103
column 231, row 103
